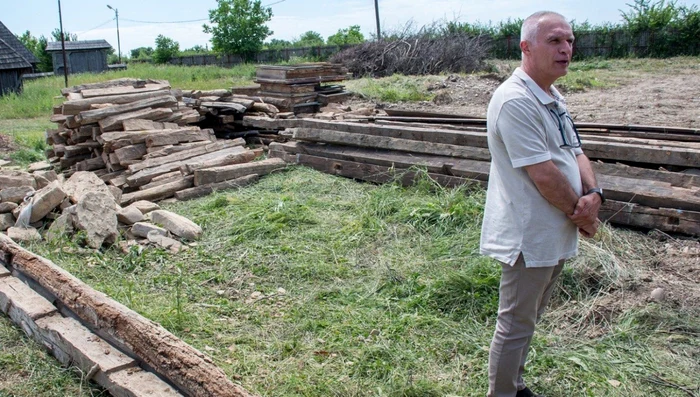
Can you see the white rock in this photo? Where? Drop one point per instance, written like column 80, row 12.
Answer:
column 21, row 234
column 95, row 213
column 176, row 224
column 142, row 229
column 129, row 215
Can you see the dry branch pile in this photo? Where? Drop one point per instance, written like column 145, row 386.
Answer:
column 417, row 54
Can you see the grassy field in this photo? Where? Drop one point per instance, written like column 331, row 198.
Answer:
column 307, row 284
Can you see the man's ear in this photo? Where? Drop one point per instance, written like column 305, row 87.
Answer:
column 525, row 46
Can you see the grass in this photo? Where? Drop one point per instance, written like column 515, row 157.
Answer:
column 396, row 88
column 308, row 284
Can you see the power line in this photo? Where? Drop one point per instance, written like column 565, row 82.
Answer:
column 96, row 27
column 277, row 2
column 191, row 20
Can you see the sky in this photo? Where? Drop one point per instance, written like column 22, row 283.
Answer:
column 141, row 21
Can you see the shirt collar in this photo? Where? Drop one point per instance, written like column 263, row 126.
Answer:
column 539, row 92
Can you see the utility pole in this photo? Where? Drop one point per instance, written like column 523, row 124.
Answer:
column 63, row 45
column 376, row 11
column 119, row 45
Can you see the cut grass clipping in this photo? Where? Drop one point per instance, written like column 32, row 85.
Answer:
column 307, row 284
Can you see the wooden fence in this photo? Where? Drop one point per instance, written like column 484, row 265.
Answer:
column 610, row 44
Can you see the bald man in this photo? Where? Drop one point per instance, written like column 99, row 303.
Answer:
column 542, row 193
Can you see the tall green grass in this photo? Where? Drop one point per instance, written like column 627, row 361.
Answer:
column 307, row 284
column 39, row 96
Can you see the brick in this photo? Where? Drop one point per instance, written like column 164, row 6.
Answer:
column 71, row 342
column 22, row 304
column 134, row 382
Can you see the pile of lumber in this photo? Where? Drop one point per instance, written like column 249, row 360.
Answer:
column 300, row 86
column 650, row 182
column 134, row 135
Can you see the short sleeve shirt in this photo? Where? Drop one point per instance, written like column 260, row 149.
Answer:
column 527, row 126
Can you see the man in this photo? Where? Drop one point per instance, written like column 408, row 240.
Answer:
column 542, row 192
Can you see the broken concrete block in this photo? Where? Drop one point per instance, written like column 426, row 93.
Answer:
column 15, row 194
column 16, row 179
column 145, row 206
column 176, row 224
column 129, row 215
column 95, row 213
column 49, row 175
column 8, row 207
column 41, row 182
column 141, row 229
column 39, row 166
column 60, row 227
column 21, row 234
column 116, row 193
column 83, row 182
column 164, row 241
column 6, row 221
column 45, row 200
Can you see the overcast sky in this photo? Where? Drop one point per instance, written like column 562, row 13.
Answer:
column 139, row 21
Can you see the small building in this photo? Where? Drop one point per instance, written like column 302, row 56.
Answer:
column 15, row 60
column 86, row 56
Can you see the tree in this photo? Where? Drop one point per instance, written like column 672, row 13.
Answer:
column 309, row 39
column 142, row 53
column 351, row 35
column 38, row 47
column 166, row 48
column 238, row 27
column 277, row 44
column 56, row 34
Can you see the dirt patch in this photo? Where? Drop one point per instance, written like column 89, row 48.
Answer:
column 6, row 146
column 670, row 99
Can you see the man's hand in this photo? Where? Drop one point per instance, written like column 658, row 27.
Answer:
column 585, row 214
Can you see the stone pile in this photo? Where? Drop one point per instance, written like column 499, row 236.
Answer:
column 43, row 200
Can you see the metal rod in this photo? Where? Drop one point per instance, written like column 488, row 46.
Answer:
column 376, row 11
column 119, row 44
column 63, row 45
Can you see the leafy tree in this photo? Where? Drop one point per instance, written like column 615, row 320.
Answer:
column 309, row 39
column 277, row 44
column 38, row 47
column 166, row 48
column 238, row 27
column 141, row 53
column 56, row 35
column 351, row 35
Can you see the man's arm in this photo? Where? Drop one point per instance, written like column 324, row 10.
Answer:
column 553, row 186
column 585, row 214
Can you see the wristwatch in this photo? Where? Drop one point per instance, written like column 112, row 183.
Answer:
column 599, row 191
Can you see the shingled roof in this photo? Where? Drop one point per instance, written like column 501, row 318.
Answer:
column 78, row 45
column 14, row 43
column 11, row 59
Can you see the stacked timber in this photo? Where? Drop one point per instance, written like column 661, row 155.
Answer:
column 649, row 182
column 299, row 87
column 134, row 135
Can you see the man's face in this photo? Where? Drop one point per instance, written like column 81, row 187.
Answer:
column 551, row 51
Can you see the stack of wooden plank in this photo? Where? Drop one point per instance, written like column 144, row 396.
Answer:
column 134, row 135
column 299, row 86
column 634, row 171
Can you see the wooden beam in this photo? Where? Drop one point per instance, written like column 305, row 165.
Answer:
column 190, row 370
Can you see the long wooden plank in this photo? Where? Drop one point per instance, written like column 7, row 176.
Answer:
column 228, row 172
column 377, row 173
column 649, row 193
column 669, row 220
column 116, row 122
column 76, row 106
column 472, row 169
column 184, row 366
column 383, row 142
column 186, row 154
column 677, row 179
column 122, row 90
column 200, row 191
column 159, row 192
column 93, row 116
column 642, row 154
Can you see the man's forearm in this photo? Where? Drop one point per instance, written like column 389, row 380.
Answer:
column 588, row 179
column 553, row 186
